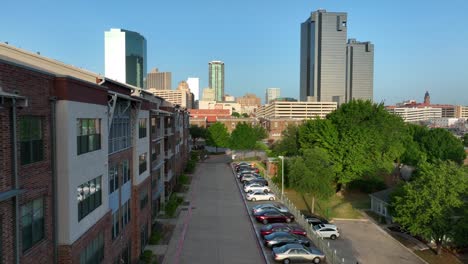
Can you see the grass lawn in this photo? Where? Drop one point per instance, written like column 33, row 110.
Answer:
column 338, row 206
column 445, row 257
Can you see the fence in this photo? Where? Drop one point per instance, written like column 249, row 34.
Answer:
column 323, row 245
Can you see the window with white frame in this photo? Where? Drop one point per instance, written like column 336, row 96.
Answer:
column 115, row 224
column 125, row 171
column 88, row 135
column 120, row 133
column 113, row 178
column 142, row 163
column 125, row 211
column 89, row 197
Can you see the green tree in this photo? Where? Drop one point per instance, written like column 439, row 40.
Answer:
column 259, row 132
column 243, row 137
column 235, row 114
column 312, row 173
column 425, row 206
column 465, row 140
column 197, row 132
column 288, row 145
column 361, row 138
column 218, row 136
column 440, row 144
column 245, row 115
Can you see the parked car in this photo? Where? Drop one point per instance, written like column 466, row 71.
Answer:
column 280, row 227
column 297, row 253
column 260, row 196
column 242, row 163
column 246, row 172
column 256, row 187
column 246, row 167
column 270, row 206
column 327, row 231
column 279, row 239
column 258, row 180
column 315, row 219
column 249, row 177
column 270, row 216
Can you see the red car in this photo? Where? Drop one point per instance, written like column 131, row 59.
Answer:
column 269, row 216
column 266, row 230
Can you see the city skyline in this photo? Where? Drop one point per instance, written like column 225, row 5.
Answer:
column 405, row 62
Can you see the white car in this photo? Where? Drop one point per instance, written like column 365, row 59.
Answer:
column 256, row 187
column 327, row 231
column 260, row 196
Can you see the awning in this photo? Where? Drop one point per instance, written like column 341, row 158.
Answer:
column 9, row 194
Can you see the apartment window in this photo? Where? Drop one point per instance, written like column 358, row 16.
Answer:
column 153, row 125
column 125, row 171
column 120, row 134
column 94, row 251
column 89, row 197
column 142, row 162
column 154, row 154
column 142, row 128
column 88, row 135
column 113, row 178
column 32, row 223
column 31, row 141
column 143, row 198
column 115, row 224
column 125, row 214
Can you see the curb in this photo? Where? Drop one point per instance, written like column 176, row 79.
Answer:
column 257, row 238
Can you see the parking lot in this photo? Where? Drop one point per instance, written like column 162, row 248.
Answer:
column 365, row 242
column 267, row 252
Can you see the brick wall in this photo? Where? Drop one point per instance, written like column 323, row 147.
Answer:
column 140, row 217
column 35, row 178
column 68, row 254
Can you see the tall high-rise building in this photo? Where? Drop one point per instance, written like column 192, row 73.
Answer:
column 271, row 94
column 359, row 70
column 125, row 56
column 216, row 78
column 323, row 57
column 194, row 85
column 159, row 80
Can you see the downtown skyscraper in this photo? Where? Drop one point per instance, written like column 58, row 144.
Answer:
column 216, row 78
column 331, row 70
column 125, row 56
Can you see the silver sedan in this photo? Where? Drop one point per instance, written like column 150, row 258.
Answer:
column 290, row 253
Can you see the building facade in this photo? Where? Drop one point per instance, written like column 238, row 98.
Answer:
column 182, row 96
column 231, row 106
column 159, row 80
column 415, row 114
column 89, row 176
column 125, row 56
column 208, row 95
column 216, row 79
column 296, row 110
column 323, row 57
column 359, row 70
column 194, row 86
column 271, row 94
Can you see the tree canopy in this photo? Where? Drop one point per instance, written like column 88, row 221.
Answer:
column 243, row 137
column 289, row 143
column 465, row 140
column 197, row 132
column 235, row 114
column 218, row 135
column 361, row 138
column 425, row 205
column 312, row 173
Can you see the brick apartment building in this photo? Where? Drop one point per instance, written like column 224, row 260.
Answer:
column 82, row 175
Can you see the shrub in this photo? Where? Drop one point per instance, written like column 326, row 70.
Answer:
column 184, row 179
column 172, row 204
column 190, row 168
column 146, row 256
column 155, row 238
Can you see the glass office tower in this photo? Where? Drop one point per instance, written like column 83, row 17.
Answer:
column 216, row 78
column 125, row 56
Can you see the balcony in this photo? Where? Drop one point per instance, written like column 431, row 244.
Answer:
column 168, row 131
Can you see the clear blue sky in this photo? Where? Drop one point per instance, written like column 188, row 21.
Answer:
column 419, row 45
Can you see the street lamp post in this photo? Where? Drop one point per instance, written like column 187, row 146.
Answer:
column 282, row 176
